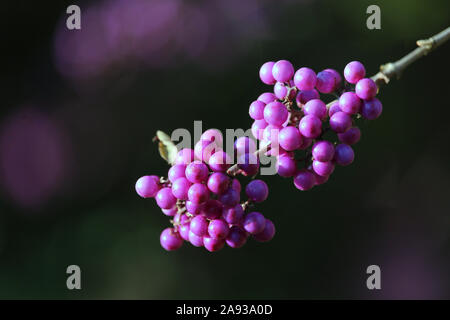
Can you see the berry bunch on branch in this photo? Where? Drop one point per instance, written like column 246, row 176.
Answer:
column 307, row 136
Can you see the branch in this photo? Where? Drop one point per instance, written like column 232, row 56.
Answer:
column 387, row 71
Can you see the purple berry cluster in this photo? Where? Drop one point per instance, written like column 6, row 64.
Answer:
column 298, row 126
column 204, row 200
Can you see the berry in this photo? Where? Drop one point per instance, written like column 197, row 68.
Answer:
column 283, row 71
column 323, row 151
column 344, row 155
column 333, row 109
column 275, row 113
column 170, row 212
column 244, row 145
column 258, row 128
column 236, row 185
column 147, row 186
column 305, row 79
column 257, row 190
column 304, row 180
column 323, row 168
column 165, row 199
column 211, row 209
column 281, row 91
column 184, row 231
column 349, row 103
column 366, row 88
column 233, row 215
column 271, row 133
column 212, row 244
column 219, row 161
column 320, row 179
column 218, row 229
column 267, row 97
column 286, row 166
column 351, row 136
column 193, row 208
column 315, row 107
column 198, row 193
column 185, row 156
column 306, row 142
column 176, row 171
column 340, row 122
column 256, row 110
column 204, row 149
column 337, row 77
column 180, row 188
column 326, row 82
column 181, row 218
column 230, row 198
column 218, row 182
column 267, row 234
column 254, row 222
column 213, row 135
column 197, row 172
column 195, row 240
column 199, row 226
column 249, row 164
column 237, row 237
column 305, row 96
column 170, row 240
column 290, row 138
column 354, row 71
column 310, row 126
column 265, row 73
column 371, row 109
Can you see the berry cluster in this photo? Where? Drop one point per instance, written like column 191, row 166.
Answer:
column 205, row 201
column 307, row 136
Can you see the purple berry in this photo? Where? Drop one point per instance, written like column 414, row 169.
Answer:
column 337, row 77
column 211, row 209
column 219, row 161
column 233, row 215
column 212, row 244
column 185, row 156
column 265, row 73
column 323, row 168
column 213, row 135
column 184, row 231
column 218, row 182
column 257, row 190
column 230, row 198
column 236, row 185
column 267, row 97
column 315, row 107
column 165, row 199
column 267, row 234
column 349, row 103
column 181, row 218
column 197, row 172
column 193, row 208
column 147, row 186
column 306, row 142
column 180, row 188
column 320, row 179
column 366, row 89
column 283, row 71
column 256, row 110
column 199, row 226
column 254, row 222
column 344, row 155
column 244, row 145
column 170, row 240
column 340, row 122
column 195, row 240
column 326, row 82
column 170, row 212
column 204, row 149
column 237, row 237
column 286, row 166
column 290, row 138
column 198, row 193
column 305, row 79
column 351, row 136
column 371, row 109
column 310, row 126
column 176, row 171
column 323, row 151
column 258, row 127
column 249, row 164
column 305, row 96
column 218, row 229
column 333, row 109
column 354, row 71
column 275, row 113
column 304, row 180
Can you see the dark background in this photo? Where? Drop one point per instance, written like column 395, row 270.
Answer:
column 79, row 110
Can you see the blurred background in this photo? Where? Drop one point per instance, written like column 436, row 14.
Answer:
column 79, row 110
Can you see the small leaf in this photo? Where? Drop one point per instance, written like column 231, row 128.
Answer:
column 166, row 147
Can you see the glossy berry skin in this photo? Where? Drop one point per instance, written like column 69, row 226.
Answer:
column 290, row 138
column 211, row 209
column 195, row 240
column 254, row 222
column 320, row 179
column 265, row 73
column 230, row 198
column 218, row 182
column 310, row 126
column 340, row 122
column 147, row 187
column 257, row 190
column 193, row 208
column 344, row 155
column 337, row 77
column 323, row 168
column 354, row 71
column 249, row 164
column 165, row 199
column 256, row 110
column 170, row 240
column 271, row 133
column 183, row 231
column 196, row 172
column 244, row 145
column 315, row 107
column 219, row 161
column 333, row 109
column 213, row 245
column 371, row 109
column 198, row 193
column 213, row 135
column 236, row 185
column 349, row 103
column 170, row 212
column 323, row 151
column 267, row 97
column 233, row 215
column 237, row 237
column 351, row 136
column 275, row 113
column 267, row 234
column 283, row 71
column 258, row 127
column 204, row 149
column 304, row 180
column 181, row 218
column 366, row 89
column 281, row 91
column 306, row 143
column 176, row 171
column 218, row 229
column 286, row 166
column 185, row 156
column 199, row 225
column 306, row 95
column 326, row 82
column 305, row 79
column 180, row 188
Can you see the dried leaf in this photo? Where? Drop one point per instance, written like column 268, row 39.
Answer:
column 166, row 147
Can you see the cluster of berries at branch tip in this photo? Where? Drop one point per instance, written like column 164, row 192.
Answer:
column 307, row 136
column 204, row 200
